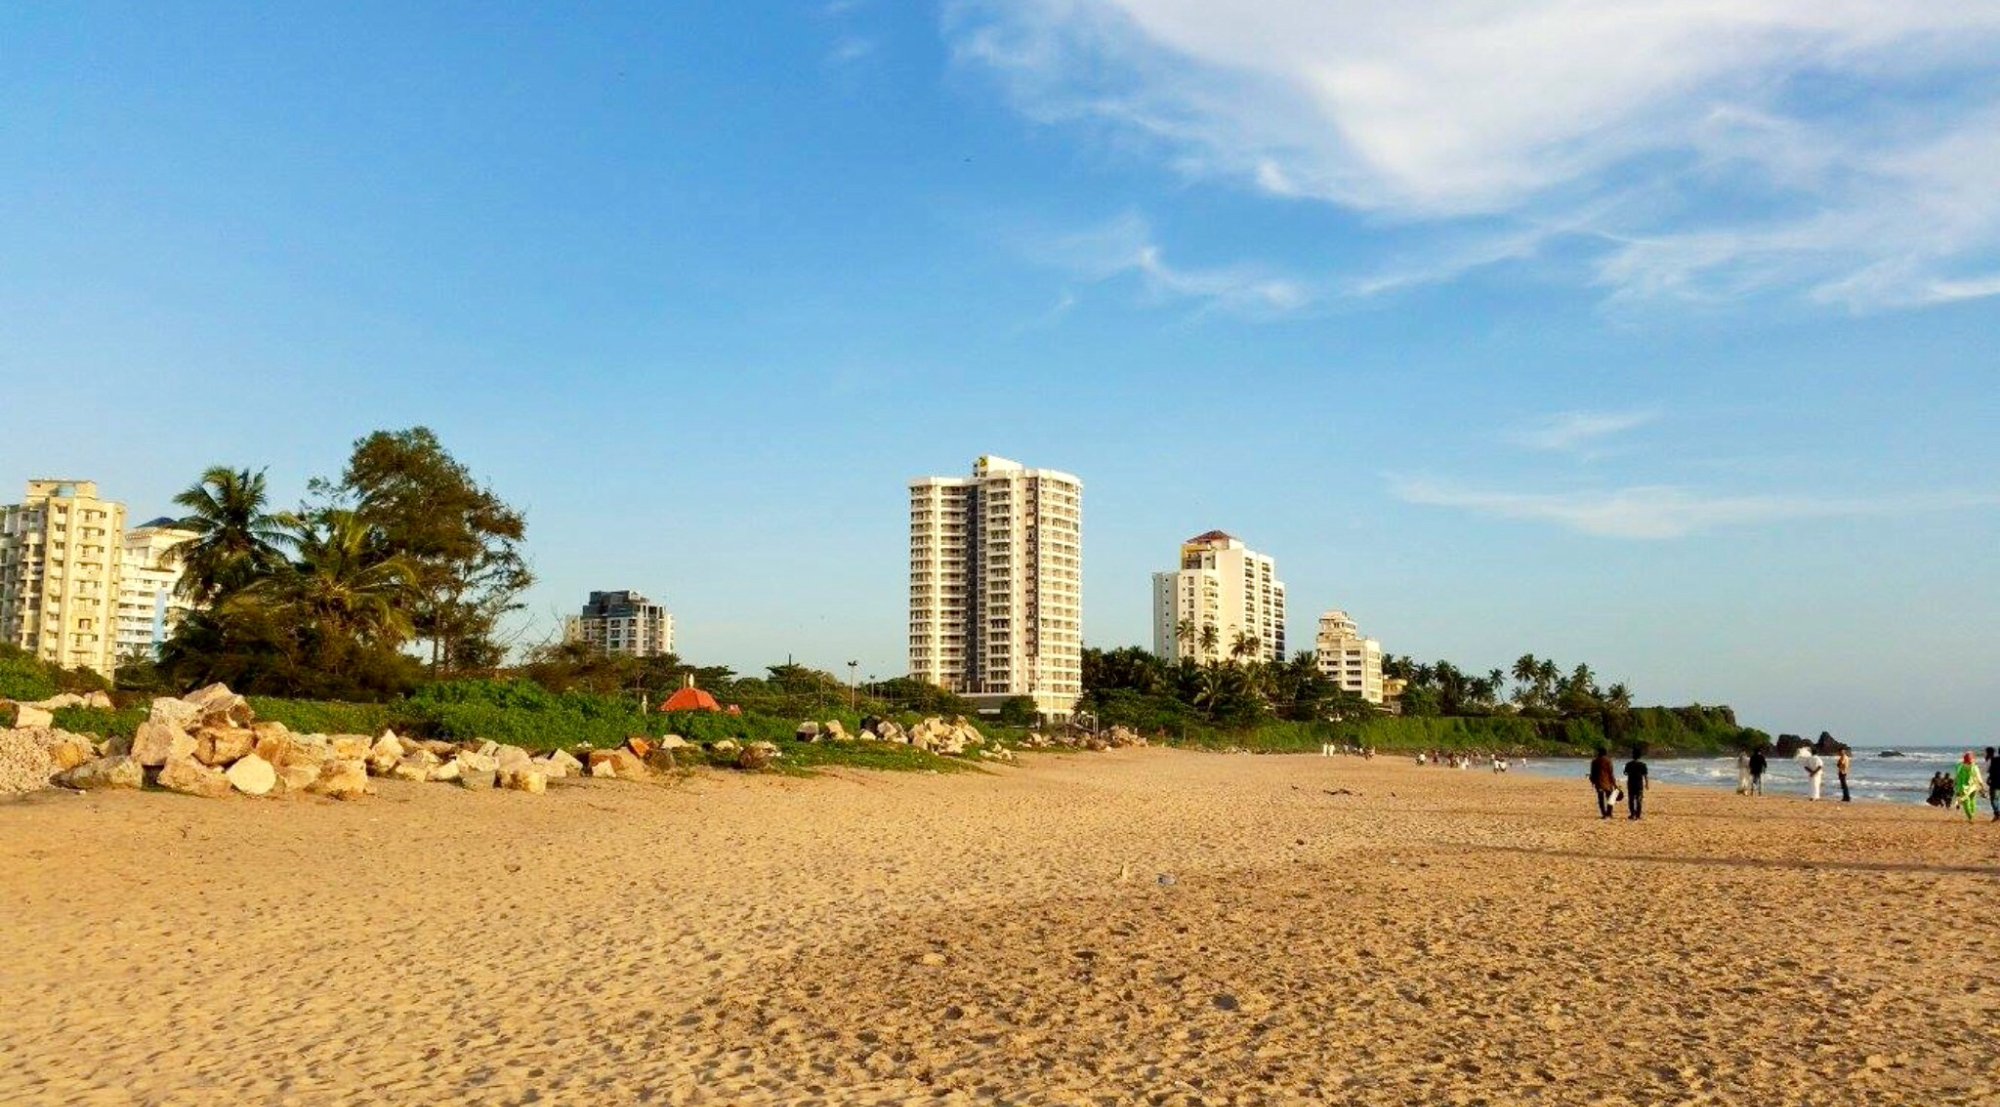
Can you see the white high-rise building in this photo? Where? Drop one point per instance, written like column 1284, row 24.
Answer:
column 1223, row 589
column 1351, row 661
column 623, row 622
column 996, row 585
column 59, row 562
column 150, row 605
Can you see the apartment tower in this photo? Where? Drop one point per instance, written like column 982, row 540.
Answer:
column 1222, row 590
column 1348, row 659
column 150, row 605
column 623, row 622
column 59, row 560
column 996, row 585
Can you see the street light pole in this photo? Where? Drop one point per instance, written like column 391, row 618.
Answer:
column 853, row 667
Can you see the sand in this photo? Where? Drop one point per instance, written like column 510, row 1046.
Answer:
column 1144, row 926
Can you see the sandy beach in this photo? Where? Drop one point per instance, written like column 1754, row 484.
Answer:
column 1145, row 926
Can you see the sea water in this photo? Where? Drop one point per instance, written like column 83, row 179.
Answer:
column 1905, row 779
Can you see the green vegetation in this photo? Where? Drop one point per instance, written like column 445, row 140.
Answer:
column 405, row 549
column 1290, row 707
column 25, row 677
column 121, row 723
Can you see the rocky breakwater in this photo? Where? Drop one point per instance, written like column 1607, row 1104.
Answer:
column 954, row 738
column 210, row 743
column 1117, row 738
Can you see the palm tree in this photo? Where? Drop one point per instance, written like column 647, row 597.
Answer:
column 341, row 584
column 1211, row 639
column 1184, row 633
column 235, row 540
column 1619, row 697
column 1244, row 645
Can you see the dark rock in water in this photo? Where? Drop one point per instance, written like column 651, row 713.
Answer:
column 1829, row 746
column 1892, row 753
column 1788, row 745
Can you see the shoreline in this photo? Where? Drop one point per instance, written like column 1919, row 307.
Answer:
column 1333, row 929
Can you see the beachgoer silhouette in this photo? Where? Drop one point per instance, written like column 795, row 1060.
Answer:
column 1993, row 782
column 1635, row 783
column 1603, row 781
column 1758, row 763
column 1841, row 764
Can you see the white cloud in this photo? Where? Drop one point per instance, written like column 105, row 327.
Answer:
column 850, row 49
column 1845, row 149
column 1661, row 511
column 1125, row 247
column 1579, row 432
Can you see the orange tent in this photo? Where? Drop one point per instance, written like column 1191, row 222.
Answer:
column 690, row 699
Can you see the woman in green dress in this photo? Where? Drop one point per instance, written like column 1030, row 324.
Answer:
column 1970, row 784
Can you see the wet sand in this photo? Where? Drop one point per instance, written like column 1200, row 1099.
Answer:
column 1006, row 937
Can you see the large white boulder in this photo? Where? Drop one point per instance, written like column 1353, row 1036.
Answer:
column 252, row 775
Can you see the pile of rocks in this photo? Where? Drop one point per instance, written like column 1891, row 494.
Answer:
column 209, row 743
column 1118, row 737
column 957, row 738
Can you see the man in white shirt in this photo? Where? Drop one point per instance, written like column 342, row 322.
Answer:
column 1815, row 771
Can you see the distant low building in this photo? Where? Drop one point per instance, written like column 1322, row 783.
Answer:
column 623, row 622
column 1348, row 659
column 150, row 605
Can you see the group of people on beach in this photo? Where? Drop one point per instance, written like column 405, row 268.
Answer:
column 1465, row 759
column 1961, row 787
column 1752, row 764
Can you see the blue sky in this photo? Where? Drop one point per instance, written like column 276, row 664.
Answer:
column 1662, row 338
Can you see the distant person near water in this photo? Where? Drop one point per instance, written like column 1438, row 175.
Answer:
column 1742, row 772
column 1993, row 782
column 1840, row 765
column 1940, row 791
column 1758, row 763
column 1635, row 783
column 1815, row 772
column 1969, row 785
column 1603, row 781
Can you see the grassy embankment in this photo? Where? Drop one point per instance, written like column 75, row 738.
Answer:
column 1666, row 732
column 524, row 714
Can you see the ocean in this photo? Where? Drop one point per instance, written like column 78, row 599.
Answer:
column 1905, row 779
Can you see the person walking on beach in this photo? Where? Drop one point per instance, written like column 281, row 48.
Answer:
column 1757, row 765
column 1635, row 783
column 1970, row 784
column 1840, row 765
column 1603, row 780
column 1742, row 772
column 1815, row 770
column 1993, row 782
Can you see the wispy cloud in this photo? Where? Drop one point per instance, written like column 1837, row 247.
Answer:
column 849, row 49
column 1125, row 248
column 1579, row 432
column 1663, row 511
column 1844, row 151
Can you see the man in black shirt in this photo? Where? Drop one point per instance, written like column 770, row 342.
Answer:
column 1635, row 783
column 1993, row 782
column 1757, row 764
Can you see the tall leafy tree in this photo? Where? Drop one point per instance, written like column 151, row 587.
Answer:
column 236, row 539
column 462, row 542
